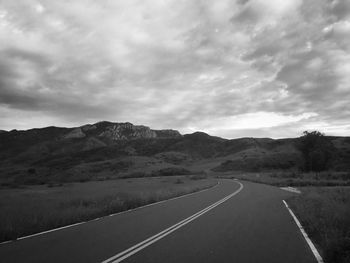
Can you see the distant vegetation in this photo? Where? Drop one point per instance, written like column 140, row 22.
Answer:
column 325, row 214
column 317, row 151
column 38, row 208
column 108, row 150
column 281, row 178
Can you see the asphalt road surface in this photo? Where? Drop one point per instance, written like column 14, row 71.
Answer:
column 232, row 222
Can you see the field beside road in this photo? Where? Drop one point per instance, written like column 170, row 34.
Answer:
column 325, row 214
column 38, row 208
column 291, row 178
column 241, row 219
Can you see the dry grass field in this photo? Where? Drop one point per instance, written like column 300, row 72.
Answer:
column 38, row 208
column 286, row 178
column 325, row 214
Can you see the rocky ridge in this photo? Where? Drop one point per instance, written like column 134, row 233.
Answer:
column 107, row 149
column 119, row 131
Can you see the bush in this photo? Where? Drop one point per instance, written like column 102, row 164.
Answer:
column 137, row 174
column 179, row 181
column 198, row 177
column 171, row 171
column 54, row 184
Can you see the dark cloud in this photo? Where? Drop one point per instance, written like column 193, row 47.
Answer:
column 340, row 8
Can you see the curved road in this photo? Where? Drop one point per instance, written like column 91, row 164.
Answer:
column 233, row 222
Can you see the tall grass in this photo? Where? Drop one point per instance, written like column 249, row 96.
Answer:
column 325, row 214
column 297, row 178
column 32, row 210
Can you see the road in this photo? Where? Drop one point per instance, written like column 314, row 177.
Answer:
column 252, row 225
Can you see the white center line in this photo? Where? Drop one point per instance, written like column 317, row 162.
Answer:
column 147, row 242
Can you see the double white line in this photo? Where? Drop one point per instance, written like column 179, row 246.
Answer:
column 149, row 241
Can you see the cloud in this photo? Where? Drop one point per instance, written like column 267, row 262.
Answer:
column 256, row 120
column 212, row 65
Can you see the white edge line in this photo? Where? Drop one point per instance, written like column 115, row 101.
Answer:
column 48, row 231
column 114, row 214
column 308, row 240
column 149, row 241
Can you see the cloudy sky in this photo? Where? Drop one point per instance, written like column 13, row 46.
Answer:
column 229, row 68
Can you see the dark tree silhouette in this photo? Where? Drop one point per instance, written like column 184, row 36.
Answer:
column 316, row 149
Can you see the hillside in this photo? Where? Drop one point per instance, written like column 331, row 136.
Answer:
column 105, row 149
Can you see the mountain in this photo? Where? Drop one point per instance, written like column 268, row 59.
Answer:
column 107, row 149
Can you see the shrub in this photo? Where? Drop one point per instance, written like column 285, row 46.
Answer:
column 136, row 174
column 179, row 181
column 170, row 171
column 198, row 177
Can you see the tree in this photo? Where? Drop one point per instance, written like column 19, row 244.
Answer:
column 316, row 149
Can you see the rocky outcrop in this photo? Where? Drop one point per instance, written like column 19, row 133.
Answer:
column 119, row 131
column 140, row 131
column 127, row 131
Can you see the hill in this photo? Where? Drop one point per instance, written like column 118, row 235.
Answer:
column 106, row 149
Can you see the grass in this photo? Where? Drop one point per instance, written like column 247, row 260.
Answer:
column 325, row 214
column 38, row 208
column 295, row 178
